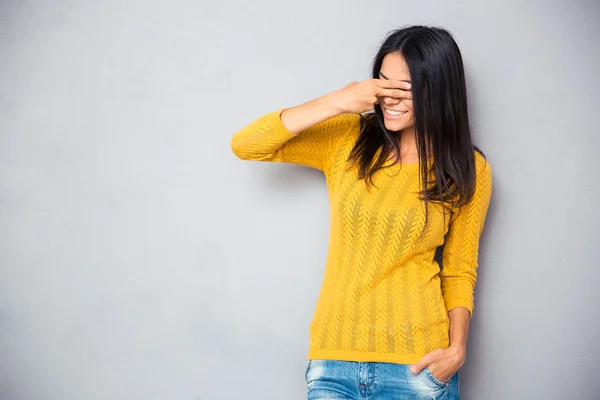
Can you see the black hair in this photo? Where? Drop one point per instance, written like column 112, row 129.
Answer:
column 440, row 112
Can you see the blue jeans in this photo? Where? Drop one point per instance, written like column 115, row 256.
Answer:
column 351, row 380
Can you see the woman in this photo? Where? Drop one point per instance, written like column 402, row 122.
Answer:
column 403, row 180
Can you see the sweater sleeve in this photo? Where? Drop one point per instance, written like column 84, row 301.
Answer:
column 461, row 248
column 267, row 139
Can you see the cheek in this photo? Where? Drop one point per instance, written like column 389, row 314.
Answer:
column 410, row 117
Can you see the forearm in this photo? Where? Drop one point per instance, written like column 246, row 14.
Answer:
column 460, row 320
column 305, row 134
column 297, row 119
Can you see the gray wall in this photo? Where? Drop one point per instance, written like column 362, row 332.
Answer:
column 139, row 259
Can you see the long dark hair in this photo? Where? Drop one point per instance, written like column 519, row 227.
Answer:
column 440, row 116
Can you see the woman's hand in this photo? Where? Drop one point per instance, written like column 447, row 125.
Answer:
column 442, row 363
column 358, row 97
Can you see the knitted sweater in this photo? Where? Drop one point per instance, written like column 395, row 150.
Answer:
column 383, row 297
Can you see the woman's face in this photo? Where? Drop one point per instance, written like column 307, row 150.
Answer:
column 397, row 113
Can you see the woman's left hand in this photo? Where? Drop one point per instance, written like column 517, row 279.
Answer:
column 442, row 363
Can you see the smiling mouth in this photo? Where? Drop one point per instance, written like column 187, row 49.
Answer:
column 394, row 113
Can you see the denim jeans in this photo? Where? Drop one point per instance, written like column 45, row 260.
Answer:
column 335, row 379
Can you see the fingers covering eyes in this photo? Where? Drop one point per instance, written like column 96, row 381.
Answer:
column 391, row 84
column 395, row 93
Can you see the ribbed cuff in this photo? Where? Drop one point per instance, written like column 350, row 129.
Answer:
column 450, row 304
column 278, row 129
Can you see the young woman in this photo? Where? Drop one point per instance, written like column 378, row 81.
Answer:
column 403, row 180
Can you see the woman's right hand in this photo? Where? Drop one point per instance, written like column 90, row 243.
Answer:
column 359, row 97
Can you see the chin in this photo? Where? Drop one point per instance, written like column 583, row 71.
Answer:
column 394, row 127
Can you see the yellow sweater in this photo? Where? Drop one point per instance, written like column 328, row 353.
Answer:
column 383, row 296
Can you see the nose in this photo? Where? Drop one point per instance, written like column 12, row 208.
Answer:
column 391, row 101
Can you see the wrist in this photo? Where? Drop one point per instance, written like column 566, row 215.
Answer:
column 331, row 102
column 458, row 351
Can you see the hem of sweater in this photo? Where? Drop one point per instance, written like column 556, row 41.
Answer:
column 362, row 356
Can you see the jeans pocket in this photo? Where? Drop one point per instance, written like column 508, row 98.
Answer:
column 306, row 371
column 435, row 380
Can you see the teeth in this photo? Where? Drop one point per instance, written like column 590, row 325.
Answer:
column 395, row 113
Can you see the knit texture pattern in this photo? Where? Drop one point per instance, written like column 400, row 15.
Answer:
column 383, row 297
